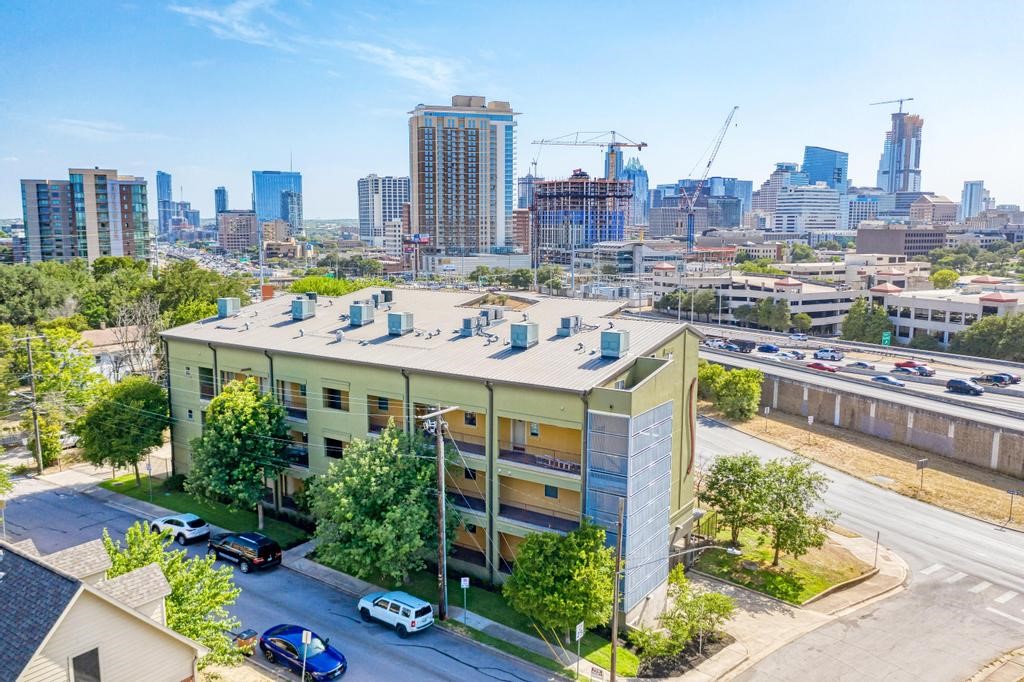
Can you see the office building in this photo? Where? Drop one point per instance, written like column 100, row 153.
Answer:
column 463, row 181
column 380, row 201
column 522, row 234
column 238, row 231
column 973, row 199
column 899, row 239
column 291, row 210
column 220, row 199
column 164, row 197
column 276, row 230
column 806, row 207
column 899, row 169
column 578, row 212
column 828, row 166
column 671, row 219
column 527, row 184
column 639, row 209
column 267, row 188
column 930, row 209
column 731, row 187
column 864, row 203
column 724, row 211
column 786, row 174
column 547, row 434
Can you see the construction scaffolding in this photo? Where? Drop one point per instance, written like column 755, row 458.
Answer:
column 578, row 212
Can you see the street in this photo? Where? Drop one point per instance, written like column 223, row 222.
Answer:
column 56, row 518
column 963, row 607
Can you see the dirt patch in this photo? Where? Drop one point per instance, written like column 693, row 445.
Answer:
column 673, row 666
column 247, row 672
column 948, row 484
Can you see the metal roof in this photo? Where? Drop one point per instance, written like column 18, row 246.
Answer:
column 572, row 363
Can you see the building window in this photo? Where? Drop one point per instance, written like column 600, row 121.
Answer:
column 336, row 399
column 188, row 372
column 471, row 528
column 86, row 667
column 382, row 404
column 620, row 384
column 206, row 385
column 534, row 429
column 334, row 448
column 551, row 491
column 469, row 418
column 189, row 415
column 469, row 474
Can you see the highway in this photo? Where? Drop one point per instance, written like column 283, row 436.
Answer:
column 964, row 604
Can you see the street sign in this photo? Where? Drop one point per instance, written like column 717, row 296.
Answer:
column 886, row 338
column 579, row 630
column 307, row 636
column 465, row 583
column 596, row 673
column 922, row 463
column 810, row 420
column 767, row 410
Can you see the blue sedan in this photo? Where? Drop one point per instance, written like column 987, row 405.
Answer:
column 768, row 348
column 283, row 644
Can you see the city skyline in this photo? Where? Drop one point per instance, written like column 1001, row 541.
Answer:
column 369, row 66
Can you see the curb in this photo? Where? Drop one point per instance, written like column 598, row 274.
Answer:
column 544, row 672
column 987, row 522
column 843, row 585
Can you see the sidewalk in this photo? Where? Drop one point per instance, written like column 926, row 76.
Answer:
column 1008, row 668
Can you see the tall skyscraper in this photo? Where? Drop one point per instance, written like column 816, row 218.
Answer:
column 164, row 197
column 640, row 204
column 49, row 218
column 578, row 212
column 380, row 202
column 527, row 187
column 291, row 210
column 220, row 199
column 828, row 166
column 613, row 163
column 462, row 174
column 731, row 187
column 267, row 187
column 899, row 169
column 806, row 207
column 786, row 174
column 972, row 199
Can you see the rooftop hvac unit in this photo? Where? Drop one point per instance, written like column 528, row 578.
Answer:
column 376, row 300
column 525, row 334
column 470, row 325
column 388, row 295
column 303, row 308
column 570, row 325
column 311, row 295
column 614, row 343
column 486, row 316
column 399, row 324
column 226, row 307
column 360, row 313
column 496, row 312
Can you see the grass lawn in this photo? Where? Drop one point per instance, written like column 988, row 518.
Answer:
column 793, row 580
column 217, row 514
column 502, row 645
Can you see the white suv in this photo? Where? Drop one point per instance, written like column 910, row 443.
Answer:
column 184, row 528
column 829, row 354
column 404, row 612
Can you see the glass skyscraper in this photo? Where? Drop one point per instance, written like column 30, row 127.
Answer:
column 640, row 204
column 828, row 166
column 267, row 188
column 164, row 197
column 899, row 169
column 220, row 199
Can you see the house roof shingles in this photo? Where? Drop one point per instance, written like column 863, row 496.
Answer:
column 81, row 561
column 137, row 587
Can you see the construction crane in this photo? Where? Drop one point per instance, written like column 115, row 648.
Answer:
column 609, row 139
column 894, row 101
column 690, row 201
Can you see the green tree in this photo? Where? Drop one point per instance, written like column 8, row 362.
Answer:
column 29, row 295
column 120, row 288
column 50, row 445
column 705, row 302
column 185, row 280
column 739, row 393
column 800, row 252
column 830, row 245
column 376, row 515
column 734, row 486
column 609, row 269
column 924, row 342
column 944, row 279
column 866, row 322
column 546, row 273
column 200, row 592
column 242, row 445
column 745, row 313
column 6, row 484
column 105, row 265
column 794, row 494
column 521, row 278
column 709, row 378
column 993, row 336
column 327, row 286
column 773, row 313
column 562, row 580
column 760, row 266
column 803, row 322
column 481, row 272
column 124, row 423
column 191, row 310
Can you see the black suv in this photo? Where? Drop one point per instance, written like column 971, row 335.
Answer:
column 964, row 386
column 248, row 550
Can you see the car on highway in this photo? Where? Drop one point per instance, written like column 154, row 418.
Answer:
column 283, row 644
column 798, row 337
column 993, row 380
column 730, row 347
column 1014, row 378
column 767, row 348
column 919, row 371
column 745, row 345
column 860, row 364
column 829, row 354
column 248, row 550
column 888, row 380
column 403, row 612
column 965, row 386
column 909, row 364
column 792, row 355
column 822, row 367
column 184, row 528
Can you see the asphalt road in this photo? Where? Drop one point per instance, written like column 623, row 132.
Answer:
column 56, row 518
column 963, row 607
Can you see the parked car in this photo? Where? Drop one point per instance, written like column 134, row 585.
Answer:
column 283, row 644
column 860, row 364
column 792, row 355
column 910, row 364
column 184, row 528
column 798, row 337
column 888, row 380
column 404, row 612
column 822, row 367
column 833, row 354
column 993, row 380
column 964, row 386
column 767, row 348
column 248, row 550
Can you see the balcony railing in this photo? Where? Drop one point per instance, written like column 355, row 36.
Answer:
column 545, row 458
column 540, row 516
column 470, row 556
column 297, row 455
column 378, row 422
column 467, row 501
column 469, row 444
column 295, row 411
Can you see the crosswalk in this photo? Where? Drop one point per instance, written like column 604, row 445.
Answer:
column 1005, row 599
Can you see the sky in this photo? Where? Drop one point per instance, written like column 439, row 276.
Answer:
column 210, row 90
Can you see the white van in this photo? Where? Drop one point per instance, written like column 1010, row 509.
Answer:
column 828, row 354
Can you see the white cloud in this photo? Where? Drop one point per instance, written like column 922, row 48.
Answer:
column 237, row 21
column 436, row 73
column 98, row 131
column 10, row 159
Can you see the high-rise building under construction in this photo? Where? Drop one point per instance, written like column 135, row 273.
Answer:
column 578, row 212
column 899, row 169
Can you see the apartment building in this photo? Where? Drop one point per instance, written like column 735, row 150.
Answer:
column 929, row 209
column 899, row 239
column 563, row 409
column 237, row 230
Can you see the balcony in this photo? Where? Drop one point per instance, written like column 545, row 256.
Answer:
column 540, row 516
column 468, row 444
column 544, row 458
column 467, row 502
column 378, row 423
column 297, row 455
column 470, row 556
column 295, row 411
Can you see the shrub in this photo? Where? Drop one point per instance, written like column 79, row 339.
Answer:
column 175, row 483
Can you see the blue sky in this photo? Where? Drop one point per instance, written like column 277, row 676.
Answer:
column 209, row 90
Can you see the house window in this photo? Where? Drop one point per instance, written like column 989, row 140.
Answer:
column 469, row 418
column 334, row 448
column 534, row 429
column 188, row 371
column 189, row 413
column 86, row 667
column 206, row 385
column 551, row 491
column 382, row 404
column 336, row 399
column 469, row 474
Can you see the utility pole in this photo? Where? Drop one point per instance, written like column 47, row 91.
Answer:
column 35, row 407
column 615, row 597
column 442, row 555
